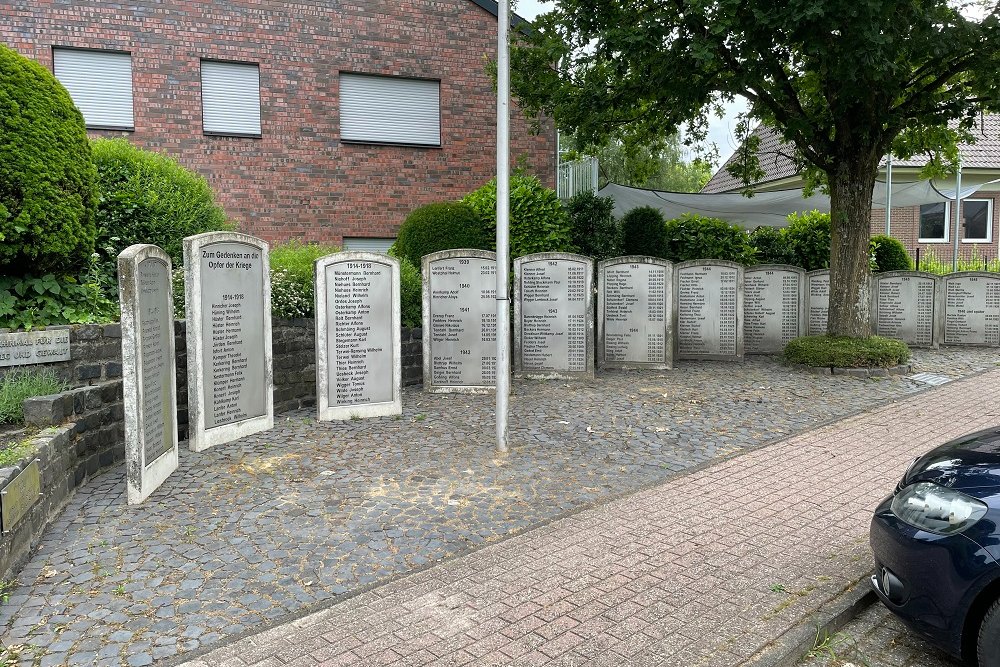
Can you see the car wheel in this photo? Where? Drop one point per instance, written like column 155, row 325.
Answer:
column 988, row 645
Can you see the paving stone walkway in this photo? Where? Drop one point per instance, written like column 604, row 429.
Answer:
column 246, row 534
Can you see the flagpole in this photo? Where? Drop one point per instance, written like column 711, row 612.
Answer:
column 503, row 222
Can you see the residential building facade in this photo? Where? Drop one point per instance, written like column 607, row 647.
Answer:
column 325, row 121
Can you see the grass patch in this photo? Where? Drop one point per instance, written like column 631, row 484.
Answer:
column 846, row 352
column 21, row 384
column 14, row 453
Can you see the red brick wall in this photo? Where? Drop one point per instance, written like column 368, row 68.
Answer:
column 299, row 180
column 905, row 226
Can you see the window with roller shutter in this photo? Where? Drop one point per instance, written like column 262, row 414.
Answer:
column 230, row 98
column 100, row 83
column 389, row 110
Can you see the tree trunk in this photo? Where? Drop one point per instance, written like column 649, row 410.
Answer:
column 851, row 183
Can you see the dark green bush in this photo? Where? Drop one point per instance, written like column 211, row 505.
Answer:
column 47, row 195
column 538, row 220
column 410, row 296
column 846, row 352
column 643, row 232
column 440, row 226
column 771, row 246
column 146, row 197
column 808, row 238
column 595, row 232
column 889, row 255
column 293, row 276
column 28, row 302
column 697, row 237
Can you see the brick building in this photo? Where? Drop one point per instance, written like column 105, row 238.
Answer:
column 928, row 227
column 317, row 121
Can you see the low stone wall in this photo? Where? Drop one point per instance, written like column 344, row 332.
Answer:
column 83, row 433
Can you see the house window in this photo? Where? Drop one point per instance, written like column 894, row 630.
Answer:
column 390, row 110
column 230, row 98
column 977, row 218
column 100, row 83
column 934, row 222
column 368, row 244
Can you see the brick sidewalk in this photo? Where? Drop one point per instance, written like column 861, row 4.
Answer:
column 706, row 569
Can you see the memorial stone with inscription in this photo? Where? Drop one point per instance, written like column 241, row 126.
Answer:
column 228, row 302
column 553, row 315
column 460, row 321
column 904, row 307
column 817, row 302
column 772, row 307
column 971, row 308
column 709, row 309
column 148, row 369
column 358, row 367
column 23, row 348
column 633, row 313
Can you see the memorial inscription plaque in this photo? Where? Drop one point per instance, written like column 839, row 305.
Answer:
column 19, row 496
column 817, row 302
column 709, row 309
column 358, row 369
column 149, row 369
column 553, row 316
column 228, row 303
column 460, row 321
column 23, row 348
column 971, row 308
column 773, row 307
column 904, row 305
column 634, row 297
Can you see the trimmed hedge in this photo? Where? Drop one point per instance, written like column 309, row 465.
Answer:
column 808, row 240
column 643, row 232
column 697, row 237
column 889, row 254
column 595, row 232
column 47, row 195
column 771, row 246
column 846, row 352
column 440, row 226
column 410, row 294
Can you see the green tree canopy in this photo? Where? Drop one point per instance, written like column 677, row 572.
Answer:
column 843, row 81
column 656, row 165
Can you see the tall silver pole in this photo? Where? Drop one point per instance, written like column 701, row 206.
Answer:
column 958, row 211
column 888, row 195
column 503, row 224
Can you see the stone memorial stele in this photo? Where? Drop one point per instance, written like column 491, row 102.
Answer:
column 460, row 321
column 227, row 286
column 554, row 316
column 773, row 307
column 634, row 308
column 817, row 302
column 708, row 309
column 971, row 308
column 905, row 307
column 149, row 369
column 358, row 362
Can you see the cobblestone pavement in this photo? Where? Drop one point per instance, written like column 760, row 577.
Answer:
column 705, row 570
column 250, row 532
column 876, row 639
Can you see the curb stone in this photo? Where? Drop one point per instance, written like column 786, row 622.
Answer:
column 791, row 647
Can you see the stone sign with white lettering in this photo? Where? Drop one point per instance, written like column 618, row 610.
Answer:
column 904, row 307
column 708, row 309
column 227, row 288
column 971, row 308
column 553, row 316
column 44, row 346
column 773, row 307
column 460, row 321
column 358, row 368
column 634, row 297
column 817, row 302
column 149, row 369
column 19, row 495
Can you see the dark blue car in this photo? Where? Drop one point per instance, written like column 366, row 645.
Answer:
column 936, row 542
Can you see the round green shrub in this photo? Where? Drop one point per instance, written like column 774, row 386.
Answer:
column 440, row 226
column 889, row 255
column 697, row 237
column 594, row 230
column 47, row 195
column 643, row 232
column 146, row 197
column 771, row 246
column 293, row 277
column 808, row 238
column 410, row 295
column 538, row 220
column 846, row 352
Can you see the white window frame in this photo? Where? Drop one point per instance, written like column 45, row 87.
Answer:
column 989, row 220
column 354, row 126
column 947, row 225
column 214, row 123
column 91, row 97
